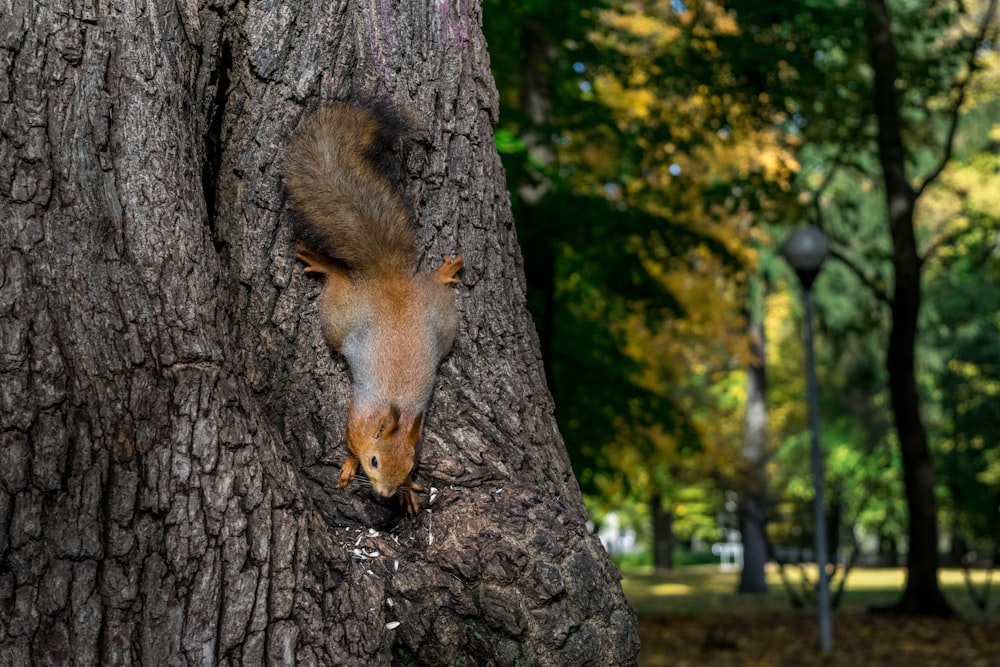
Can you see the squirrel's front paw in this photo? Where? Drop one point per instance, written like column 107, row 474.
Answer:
column 408, row 496
column 347, row 471
column 408, row 499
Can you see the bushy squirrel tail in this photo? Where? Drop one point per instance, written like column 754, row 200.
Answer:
column 338, row 174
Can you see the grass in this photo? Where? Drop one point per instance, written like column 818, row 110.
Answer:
column 692, row 616
column 704, row 589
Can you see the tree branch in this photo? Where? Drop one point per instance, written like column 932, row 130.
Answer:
column 951, row 238
column 880, row 293
column 959, row 90
column 839, row 161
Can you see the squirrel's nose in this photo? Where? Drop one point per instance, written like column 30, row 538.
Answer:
column 385, row 491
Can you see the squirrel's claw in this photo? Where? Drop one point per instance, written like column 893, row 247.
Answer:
column 446, row 272
column 347, row 471
column 408, row 496
column 408, row 499
column 315, row 262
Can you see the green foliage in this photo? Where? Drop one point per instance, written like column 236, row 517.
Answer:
column 841, row 190
column 605, row 256
column 964, row 330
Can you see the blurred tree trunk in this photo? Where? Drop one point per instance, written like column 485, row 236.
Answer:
column 534, row 222
column 753, row 509
column 663, row 535
column 171, row 419
column 923, row 593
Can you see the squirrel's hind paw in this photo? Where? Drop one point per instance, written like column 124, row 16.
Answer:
column 446, row 272
column 315, row 262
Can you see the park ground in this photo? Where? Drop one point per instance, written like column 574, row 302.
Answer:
column 691, row 617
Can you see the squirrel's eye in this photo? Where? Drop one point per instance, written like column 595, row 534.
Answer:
column 375, row 462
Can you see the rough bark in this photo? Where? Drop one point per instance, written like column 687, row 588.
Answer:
column 922, row 594
column 170, row 416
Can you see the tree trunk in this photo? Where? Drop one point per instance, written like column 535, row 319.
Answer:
column 922, row 594
column 534, row 222
column 663, row 535
column 169, row 412
column 753, row 510
column 753, row 578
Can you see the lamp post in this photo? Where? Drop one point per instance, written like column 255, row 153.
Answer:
column 805, row 249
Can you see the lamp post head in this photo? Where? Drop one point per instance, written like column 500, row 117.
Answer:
column 806, row 249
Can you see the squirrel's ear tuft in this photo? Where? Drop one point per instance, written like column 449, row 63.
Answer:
column 415, row 430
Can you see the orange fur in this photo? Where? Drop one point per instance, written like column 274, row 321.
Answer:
column 391, row 324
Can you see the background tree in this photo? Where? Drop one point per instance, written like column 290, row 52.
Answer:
column 756, row 448
column 644, row 218
column 922, row 593
column 169, row 410
column 679, row 129
column 921, row 59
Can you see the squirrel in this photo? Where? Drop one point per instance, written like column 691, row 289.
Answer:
column 391, row 323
